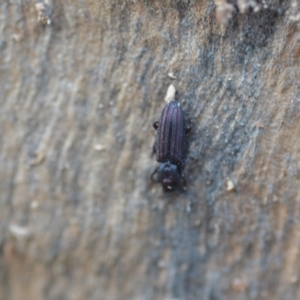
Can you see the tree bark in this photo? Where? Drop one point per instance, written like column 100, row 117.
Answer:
column 81, row 83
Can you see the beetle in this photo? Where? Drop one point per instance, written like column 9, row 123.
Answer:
column 169, row 146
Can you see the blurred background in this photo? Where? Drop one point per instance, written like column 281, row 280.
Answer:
column 81, row 83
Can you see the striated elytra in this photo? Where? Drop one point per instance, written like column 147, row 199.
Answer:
column 169, row 146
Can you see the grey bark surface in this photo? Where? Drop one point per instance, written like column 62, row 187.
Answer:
column 81, row 83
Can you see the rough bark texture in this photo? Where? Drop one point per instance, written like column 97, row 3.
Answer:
column 81, row 83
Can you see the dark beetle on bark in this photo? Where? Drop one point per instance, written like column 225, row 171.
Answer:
column 169, row 146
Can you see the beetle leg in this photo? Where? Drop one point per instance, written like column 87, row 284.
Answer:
column 152, row 175
column 155, row 125
column 188, row 127
column 183, row 182
column 182, row 179
column 154, row 149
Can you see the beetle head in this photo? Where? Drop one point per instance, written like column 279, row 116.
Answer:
column 168, row 175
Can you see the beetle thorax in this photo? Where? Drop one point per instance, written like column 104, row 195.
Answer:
column 168, row 175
